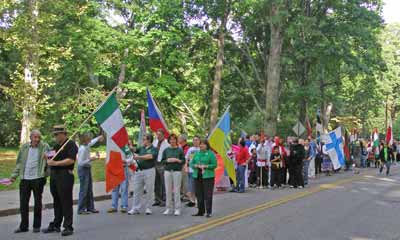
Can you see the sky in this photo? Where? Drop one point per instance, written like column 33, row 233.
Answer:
column 391, row 11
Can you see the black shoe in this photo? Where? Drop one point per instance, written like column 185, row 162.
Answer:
column 19, row 230
column 190, row 204
column 51, row 230
column 198, row 215
column 208, row 215
column 67, row 232
column 156, row 204
column 36, row 230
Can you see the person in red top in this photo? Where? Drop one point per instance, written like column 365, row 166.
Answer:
column 242, row 159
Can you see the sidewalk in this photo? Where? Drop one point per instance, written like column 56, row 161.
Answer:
column 9, row 200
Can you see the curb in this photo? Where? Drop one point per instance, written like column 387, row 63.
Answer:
column 15, row 211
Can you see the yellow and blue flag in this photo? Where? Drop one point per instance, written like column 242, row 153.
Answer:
column 220, row 141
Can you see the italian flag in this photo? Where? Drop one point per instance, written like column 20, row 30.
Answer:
column 375, row 140
column 109, row 116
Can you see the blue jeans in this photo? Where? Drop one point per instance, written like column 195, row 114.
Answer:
column 124, row 188
column 240, row 177
column 306, row 165
column 86, row 200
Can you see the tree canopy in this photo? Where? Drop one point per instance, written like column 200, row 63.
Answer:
column 279, row 62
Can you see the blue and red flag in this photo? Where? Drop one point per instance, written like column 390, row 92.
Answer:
column 156, row 120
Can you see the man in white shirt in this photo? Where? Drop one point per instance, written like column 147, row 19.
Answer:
column 86, row 199
column 159, row 186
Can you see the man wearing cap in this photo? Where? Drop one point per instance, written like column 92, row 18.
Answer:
column 31, row 168
column 62, row 181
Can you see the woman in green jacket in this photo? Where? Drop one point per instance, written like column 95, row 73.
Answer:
column 203, row 165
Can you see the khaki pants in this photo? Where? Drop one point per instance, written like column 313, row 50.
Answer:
column 142, row 179
column 173, row 180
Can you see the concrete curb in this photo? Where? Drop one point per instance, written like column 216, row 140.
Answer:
column 15, row 211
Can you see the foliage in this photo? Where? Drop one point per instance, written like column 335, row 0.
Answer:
column 337, row 52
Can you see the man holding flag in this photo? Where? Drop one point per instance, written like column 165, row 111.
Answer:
column 158, row 125
column 119, row 156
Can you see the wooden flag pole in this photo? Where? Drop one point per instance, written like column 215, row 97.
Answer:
column 83, row 123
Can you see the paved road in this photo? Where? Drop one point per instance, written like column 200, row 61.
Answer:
column 343, row 206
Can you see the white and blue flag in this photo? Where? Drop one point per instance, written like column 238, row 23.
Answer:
column 334, row 147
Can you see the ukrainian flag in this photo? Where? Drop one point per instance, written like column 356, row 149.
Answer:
column 220, row 141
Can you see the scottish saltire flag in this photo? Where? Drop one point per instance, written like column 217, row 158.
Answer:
column 109, row 116
column 334, row 144
column 220, row 141
column 142, row 129
column 156, row 120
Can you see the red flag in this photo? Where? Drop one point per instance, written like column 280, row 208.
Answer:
column 346, row 146
column 156, row 120
column 389, row 133
column 308, row 126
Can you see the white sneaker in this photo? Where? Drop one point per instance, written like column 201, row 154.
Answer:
column 167, row 212
column 148, row 211
column 133, row 212
column 177, row 212
column 300, row 187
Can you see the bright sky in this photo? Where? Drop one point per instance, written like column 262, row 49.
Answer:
column 391, row 11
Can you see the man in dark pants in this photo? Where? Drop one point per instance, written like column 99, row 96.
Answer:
column 62, row 181
column 159, row 186
column 31, row 167
column 297, row 154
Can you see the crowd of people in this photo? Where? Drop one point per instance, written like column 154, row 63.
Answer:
column 170, row 172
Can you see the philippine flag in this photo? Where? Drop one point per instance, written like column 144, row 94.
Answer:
column 156, row 121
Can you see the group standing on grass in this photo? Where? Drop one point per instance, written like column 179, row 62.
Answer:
column 169, row 171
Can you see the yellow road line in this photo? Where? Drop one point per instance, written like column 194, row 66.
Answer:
column 190, row 231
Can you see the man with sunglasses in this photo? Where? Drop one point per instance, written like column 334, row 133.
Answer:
column 62, row 181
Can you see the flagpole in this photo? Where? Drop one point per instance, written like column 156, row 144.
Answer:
column 84, row 122
column 220, row 120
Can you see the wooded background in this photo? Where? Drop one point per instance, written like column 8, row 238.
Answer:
column 275, row 62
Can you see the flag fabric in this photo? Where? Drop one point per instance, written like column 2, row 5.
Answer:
column 389, row 133
column 156, row 120
column 334, row 147
column 308, row 127
column 346, row 146
column 220, row 141
column 375, row 138
column 142, row 129
column 375, row 142
column 109, row 116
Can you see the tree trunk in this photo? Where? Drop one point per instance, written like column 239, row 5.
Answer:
column 273, row 71
column 121, row 77
column 30, row 75
column 218, row 71
column 303, row 107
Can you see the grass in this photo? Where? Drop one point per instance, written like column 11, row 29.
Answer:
column 7, row 165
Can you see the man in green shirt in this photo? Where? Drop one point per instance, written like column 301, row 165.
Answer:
column 144, row 177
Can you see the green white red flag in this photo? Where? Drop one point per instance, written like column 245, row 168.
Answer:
column 109, row 116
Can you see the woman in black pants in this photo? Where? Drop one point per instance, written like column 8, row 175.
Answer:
column 203, row 165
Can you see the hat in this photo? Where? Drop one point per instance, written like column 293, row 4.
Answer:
column 59, row 129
